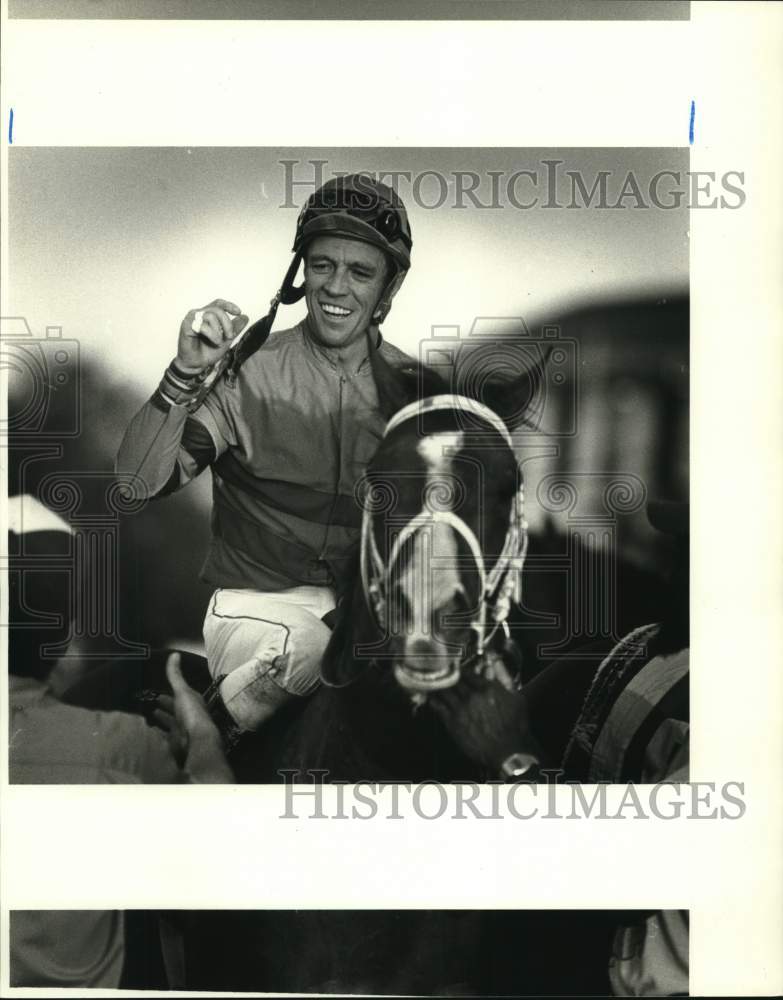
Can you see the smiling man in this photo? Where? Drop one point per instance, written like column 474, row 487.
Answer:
column 344, row 280
column 287, row 431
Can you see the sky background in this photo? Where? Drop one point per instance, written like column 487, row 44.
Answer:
column 116, row 244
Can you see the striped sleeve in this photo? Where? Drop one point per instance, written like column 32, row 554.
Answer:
column 164, row 448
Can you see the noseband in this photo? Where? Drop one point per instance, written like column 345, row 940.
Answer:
column 500, row 584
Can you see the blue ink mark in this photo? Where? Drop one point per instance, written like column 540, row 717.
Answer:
column 11, row 127
column 693, row 119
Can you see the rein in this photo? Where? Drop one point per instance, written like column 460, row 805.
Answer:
column 499, row 585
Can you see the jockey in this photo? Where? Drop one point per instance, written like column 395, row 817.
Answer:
column 288, row 426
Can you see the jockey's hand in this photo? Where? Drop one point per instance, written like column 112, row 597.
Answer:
column 206, row 334
column 193, row 737
column 486, row 721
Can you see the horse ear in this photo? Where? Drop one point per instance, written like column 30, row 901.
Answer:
column 399, row 385
column 513, row 399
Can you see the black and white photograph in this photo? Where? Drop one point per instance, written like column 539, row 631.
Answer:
column 401, row 10
column 425, row 519
column 389, row 396
column 350, row 952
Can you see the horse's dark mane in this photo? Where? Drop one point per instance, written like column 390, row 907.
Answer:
column 510, row 398
column 352, row 626
column 399, row 385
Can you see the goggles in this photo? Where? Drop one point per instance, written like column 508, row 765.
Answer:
column 384, row 219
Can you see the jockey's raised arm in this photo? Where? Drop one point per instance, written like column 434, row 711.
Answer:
column 288, row 424
column 163, row 449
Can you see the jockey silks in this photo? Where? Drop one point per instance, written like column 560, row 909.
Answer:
column 287, row 444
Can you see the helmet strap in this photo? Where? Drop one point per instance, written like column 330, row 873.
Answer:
column 257, row 334
column 385, row 302
column 289, row 294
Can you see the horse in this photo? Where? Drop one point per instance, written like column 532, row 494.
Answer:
column 399, row 952
column 429, row 597
column 430, row 592
column 433, row 591
column 436, row 590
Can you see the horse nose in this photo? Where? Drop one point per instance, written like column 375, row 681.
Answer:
column 423, row 648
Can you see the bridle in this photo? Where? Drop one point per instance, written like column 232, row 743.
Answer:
column 499, row 585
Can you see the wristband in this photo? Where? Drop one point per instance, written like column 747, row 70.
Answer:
column 178, row 388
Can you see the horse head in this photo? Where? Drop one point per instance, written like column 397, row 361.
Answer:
column 443, row 532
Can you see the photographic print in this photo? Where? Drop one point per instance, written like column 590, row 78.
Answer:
column 402, row 10
column 426, row 519
column 389, row 409
column 379, row 953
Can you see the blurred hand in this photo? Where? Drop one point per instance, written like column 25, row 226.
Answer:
column 486, row 721
column 193, row 737
column 198, row 348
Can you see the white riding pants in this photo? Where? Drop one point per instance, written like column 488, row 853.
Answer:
column 267, row 646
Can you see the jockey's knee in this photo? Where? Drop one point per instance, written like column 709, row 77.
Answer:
column 266, row 651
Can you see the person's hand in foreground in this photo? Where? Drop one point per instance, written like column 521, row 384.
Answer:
column 193, row 737
column 488, row 722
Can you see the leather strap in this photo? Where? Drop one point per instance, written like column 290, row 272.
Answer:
column 254, row 337
column 257, row 335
